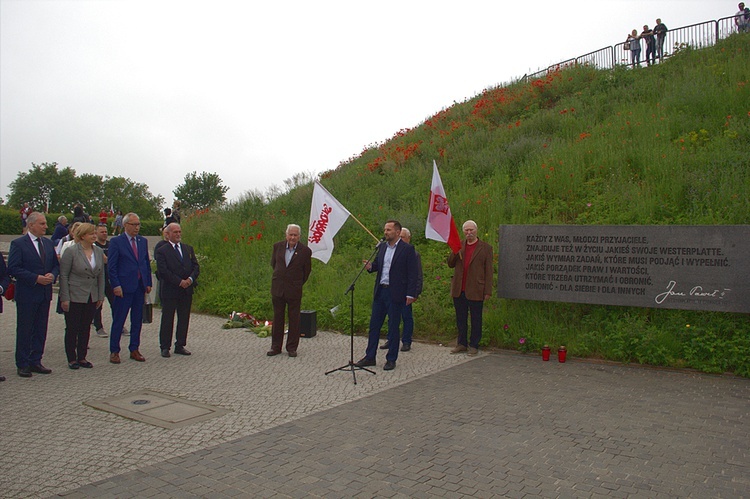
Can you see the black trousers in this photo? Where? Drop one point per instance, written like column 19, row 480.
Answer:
column 78, row 329
column 169, row 306
column 464, row 307
column 282, row 306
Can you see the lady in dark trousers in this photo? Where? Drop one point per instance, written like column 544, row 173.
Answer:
column 81, row 293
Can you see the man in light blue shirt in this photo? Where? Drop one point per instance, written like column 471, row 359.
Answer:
column 395, row 288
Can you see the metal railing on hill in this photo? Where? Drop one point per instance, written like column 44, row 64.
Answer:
column 699, row 35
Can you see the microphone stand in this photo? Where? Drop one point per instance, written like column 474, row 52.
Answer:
column 351, row 366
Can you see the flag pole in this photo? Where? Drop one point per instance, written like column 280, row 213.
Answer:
column 368, row 230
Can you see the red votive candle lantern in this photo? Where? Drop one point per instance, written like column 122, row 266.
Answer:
column 545, row 353
column 561, row 354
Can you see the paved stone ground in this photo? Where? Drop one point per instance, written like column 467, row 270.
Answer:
column 502, row 425
column 50, row 442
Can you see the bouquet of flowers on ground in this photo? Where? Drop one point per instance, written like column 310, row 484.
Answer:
column 245, row 320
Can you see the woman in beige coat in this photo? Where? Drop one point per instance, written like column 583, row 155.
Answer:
column 81, row 292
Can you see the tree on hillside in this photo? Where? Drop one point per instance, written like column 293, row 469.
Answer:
column 47, row 188
column 201, row 191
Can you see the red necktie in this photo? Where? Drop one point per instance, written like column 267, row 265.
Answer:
column 135, row 252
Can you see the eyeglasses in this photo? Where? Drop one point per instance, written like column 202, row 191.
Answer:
column 134, row 224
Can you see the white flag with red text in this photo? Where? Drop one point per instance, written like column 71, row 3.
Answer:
column 327, row 216
column 440, row 224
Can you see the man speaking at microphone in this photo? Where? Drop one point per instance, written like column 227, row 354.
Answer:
column 395, row 288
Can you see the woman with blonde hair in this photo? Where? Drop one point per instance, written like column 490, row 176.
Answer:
column 634, row 43
column 81, row 292
column 68, row 240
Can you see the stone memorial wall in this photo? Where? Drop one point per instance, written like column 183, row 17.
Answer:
column 683, row 267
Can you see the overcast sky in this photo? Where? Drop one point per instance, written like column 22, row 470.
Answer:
column 258, row 91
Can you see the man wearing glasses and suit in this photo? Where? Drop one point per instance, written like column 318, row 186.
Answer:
column 130, row 277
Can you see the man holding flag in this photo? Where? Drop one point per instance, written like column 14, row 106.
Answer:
column 470, row 287
column 472, row 278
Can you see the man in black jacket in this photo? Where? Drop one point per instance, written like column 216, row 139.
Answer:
column 178, row 270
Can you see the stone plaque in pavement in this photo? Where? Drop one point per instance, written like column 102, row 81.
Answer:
column 158, row 409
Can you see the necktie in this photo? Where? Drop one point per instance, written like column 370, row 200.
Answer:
column 179, row 251
column 41, row 248
column 135, row 251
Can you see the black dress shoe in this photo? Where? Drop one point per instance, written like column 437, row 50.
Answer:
column 182, row 351
column 24, row 372
column 271, row 353
column 165, row 353
column 2, row 378
column 73, row 365
column 292, row 353
column 365, row 362
column 390, row 365
column 85, row 364
column 385, row 346
column 405, row 347
column 39, row 369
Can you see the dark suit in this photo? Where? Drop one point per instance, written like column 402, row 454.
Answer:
column 390, row 300
column 133, row 276
column 32, row 299
column 171, row 268
column 286, row 292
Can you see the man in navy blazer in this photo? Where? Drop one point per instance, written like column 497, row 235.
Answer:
column 33, row 262
column 130, row 275
column 395, row 287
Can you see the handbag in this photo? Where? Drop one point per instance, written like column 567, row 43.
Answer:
column 626, row 46
column 10, row 291
column 148, row 311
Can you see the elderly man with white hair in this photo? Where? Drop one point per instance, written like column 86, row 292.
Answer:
column 291, row 263
column 470, row 287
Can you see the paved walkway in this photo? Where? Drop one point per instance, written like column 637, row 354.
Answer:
column 440, row 425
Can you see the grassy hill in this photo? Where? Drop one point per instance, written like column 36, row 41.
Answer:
column 667, row 144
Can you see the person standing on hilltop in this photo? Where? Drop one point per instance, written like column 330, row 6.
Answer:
column 648, row 36
column 634, row 45
column 742, row 18
column 660, row 30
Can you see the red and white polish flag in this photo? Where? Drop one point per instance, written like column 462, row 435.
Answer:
column 327, row 216
column 440, row 224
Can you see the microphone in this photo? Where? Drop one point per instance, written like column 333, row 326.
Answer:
column 382, row 240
